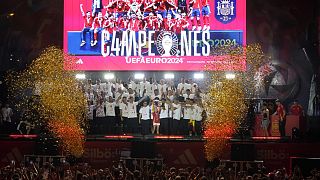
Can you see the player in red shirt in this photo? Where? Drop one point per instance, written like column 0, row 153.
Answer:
column 205, row 14
column 123, row 23
column 169, row 23
column 109, row 24
column 150, row 22
column 181, row 23
column 159, row 22
column 281, row 112
column 88, row 20
column 195, row 12
column 97, row 25
column 296, row 109
column 134, row 23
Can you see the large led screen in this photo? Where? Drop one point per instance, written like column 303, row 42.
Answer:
column 151, row 34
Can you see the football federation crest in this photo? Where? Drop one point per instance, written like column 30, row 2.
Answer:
column 225, row 10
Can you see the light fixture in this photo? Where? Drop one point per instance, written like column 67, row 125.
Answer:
column 80, row 76
column 230, row 75
column 138, row 76
column 108, row 76
column 198, row 76
column 169, row 76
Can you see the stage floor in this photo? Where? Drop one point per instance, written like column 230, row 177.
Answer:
column 178, row 151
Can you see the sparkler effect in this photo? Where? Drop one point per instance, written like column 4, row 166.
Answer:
column 53, row 97
column 225, row 103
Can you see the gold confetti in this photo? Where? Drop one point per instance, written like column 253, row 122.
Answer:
column 226, row 99
column 53, row 96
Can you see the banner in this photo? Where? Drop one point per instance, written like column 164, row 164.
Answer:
column 151, row 34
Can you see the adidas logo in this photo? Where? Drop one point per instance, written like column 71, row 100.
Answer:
column 79, row 61
column 15, row 155
column 186, row 158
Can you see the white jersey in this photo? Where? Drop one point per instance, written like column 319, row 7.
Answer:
column 198, row 113
column 132, row 110
column 100, row 110
column 150, row 89
column 90, row 112
column 177, row 111
column 89, row 96
column 187, row 86
column 143, row 86
column 110, row 109
column 180, row 87
column 193, row 87
column 164, row 113
column 145, row 112
column 108, row 89
column 162, row 88
column 99, row 87
column 116, row 96
column 124, row 109
column 187, row 111
column 134, row 86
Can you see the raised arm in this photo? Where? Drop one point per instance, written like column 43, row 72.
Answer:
column 117, row 100
column 81, row 9
column 142, row 99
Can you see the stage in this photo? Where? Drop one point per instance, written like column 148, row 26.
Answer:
column 178, row 151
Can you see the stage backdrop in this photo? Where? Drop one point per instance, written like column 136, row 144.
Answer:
column 151, row 34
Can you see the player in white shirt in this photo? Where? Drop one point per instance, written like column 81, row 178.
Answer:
column 89, row 95
column 111, row 115
column 99, row 87
column 88, row 85
column 164, row 117
column 143, row 87
column 150, row 89
column 132, row 93
column 145, row 118
column 108, row 88
column 7, row 113
column 123, row 106
column 162, row 87
column 180, row 87
column 170, row 95
column 170, row 86
column 194, row 86
column 187, row 86
column 92, row 125
column 176, row 124
column 133, row 85
column 132, row 115
column 198, row 117
column 100, row 116
column 187, row 111
column 118, row 97
column 156, row 94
